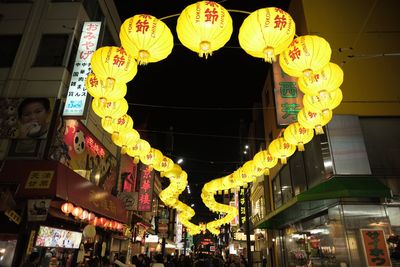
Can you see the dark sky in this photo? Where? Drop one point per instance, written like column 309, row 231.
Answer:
column 202, row 99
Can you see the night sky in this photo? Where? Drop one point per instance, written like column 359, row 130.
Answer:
column 203, row 100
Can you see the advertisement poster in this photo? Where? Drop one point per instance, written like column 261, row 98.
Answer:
column 38, row 209
column 78, row 149
column 25, row 118
column 375, row 248
column 59, row 238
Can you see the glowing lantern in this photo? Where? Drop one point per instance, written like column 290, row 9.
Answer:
column 204, row 27
column 316, row 120
column 328, row 79
column 305, row 55
column 142, row 147
column 266, row 32
column 323, row 103
column 89, row 231
column 113, row 64
column 281, row 149
column 95, row 221
column 98, row 88
column 77, row 211
column 67, row 208
column 152, row 158
column 174, row 172
column 165, row 165
column 298, row 135
column 126, row 139
column 118, row 125
column 264, row 160
column 84, row 215
column 146, row 38
column 110, row 110
column 91, row 216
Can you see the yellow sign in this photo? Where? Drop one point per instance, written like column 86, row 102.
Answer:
column 39, row 180
column 13, row 216
column 30, row 242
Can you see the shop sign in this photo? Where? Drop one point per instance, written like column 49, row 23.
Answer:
column 39, row 180
column 130, row 199
column 29, row 248
column 146, row 176
column 242, row 206
column 375, row 248
column 38, row 209
column 13, row 216
column 77, row 94
column 288, row 97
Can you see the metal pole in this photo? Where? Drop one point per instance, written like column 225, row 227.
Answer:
column 184, row 245
column 163, row 246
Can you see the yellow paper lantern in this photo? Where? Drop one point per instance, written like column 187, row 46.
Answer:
column 165, row 165
column 99, row 88
column 266, row 32
column 118, row 125
column 146, row 38
column 141, row 147
column 316, row 120
column 112, row 63
column 109, row 110
column 264, row 160
column 324, row 102
column 305, row 55
column 152, row 158
column 328, row 79
column 282, row 149
column 204, row 27
column 298, row 135
column 126, row 139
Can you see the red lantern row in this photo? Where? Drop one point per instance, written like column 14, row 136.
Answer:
column 79, row 213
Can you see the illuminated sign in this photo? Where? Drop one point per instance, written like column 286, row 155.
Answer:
column 77, row 94
column 146, row 176
column 288, row 97
column 375, row 248
column 242, row 206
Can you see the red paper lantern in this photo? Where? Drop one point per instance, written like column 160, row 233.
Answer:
column 91, row 216
column 84, row 215
column 67, row 208
column 77, row 211
column 95, row 221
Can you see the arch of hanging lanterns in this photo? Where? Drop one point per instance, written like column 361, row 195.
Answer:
column 205, row 27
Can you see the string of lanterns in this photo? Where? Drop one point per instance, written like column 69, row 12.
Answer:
column 90, row 218
column 205, row 27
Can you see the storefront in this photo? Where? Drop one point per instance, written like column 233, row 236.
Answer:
column 332, row 223
column 44, row 186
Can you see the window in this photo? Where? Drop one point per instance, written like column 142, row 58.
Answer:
column 297, row 171
column 72, row 56
column 313, row 162
column 276, row 187
column 286, row 184
column 51, row 50
column 8, row 49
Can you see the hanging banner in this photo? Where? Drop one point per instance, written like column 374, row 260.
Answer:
column 288, row 97
column 77, row 94
column 375, row 248
column 146, row 177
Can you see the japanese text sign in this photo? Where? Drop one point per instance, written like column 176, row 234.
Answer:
column 146, row 176
column 288, row 97
column 77, row 94
column 375, row 248
column 242, row 206
column 39, row 180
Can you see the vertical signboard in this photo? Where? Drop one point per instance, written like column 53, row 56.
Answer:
column 242, row 206
column 146, row 176
column 77, row 94
column 375, row 248
column 288, row 97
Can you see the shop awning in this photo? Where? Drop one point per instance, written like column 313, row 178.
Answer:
column 322, row 196
column 51, row 179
